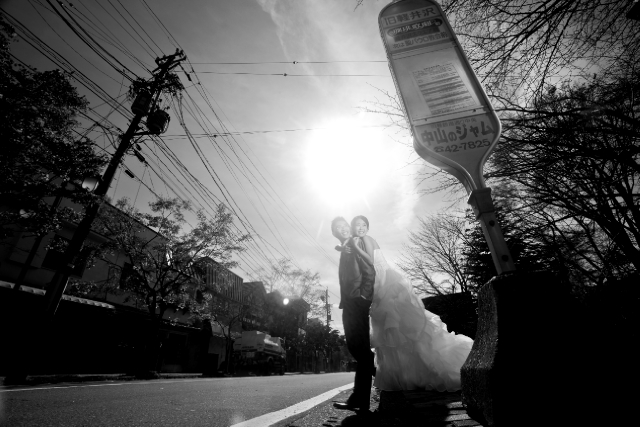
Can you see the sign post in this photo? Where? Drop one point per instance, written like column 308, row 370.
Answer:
column 453, row 124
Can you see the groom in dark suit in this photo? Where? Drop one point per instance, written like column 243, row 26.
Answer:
column 355, row 300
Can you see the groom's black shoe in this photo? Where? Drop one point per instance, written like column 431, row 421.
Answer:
column 350, row 406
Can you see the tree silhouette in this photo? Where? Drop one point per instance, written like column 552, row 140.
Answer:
column 574, row 160
column 434, row 259
column 167, row 261
column 42, row 155
column 294, row 282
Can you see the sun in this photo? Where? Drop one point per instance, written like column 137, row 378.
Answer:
column 345, row 162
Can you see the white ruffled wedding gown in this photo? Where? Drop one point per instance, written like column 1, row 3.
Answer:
column 413, row 348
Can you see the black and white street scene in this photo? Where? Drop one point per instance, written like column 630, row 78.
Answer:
column 305, row 213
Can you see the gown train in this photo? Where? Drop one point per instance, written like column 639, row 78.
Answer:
column 413, row 348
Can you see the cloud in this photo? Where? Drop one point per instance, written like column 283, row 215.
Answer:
column 271, row 7
column 295, row 27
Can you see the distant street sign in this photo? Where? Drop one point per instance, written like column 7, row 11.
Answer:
column 453, row 123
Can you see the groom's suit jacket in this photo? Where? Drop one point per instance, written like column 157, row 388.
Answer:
column 356, row 278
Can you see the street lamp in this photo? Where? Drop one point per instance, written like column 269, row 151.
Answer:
column 26, row 213
column 90, row 183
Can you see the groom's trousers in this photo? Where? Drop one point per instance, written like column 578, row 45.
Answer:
column 355, row 319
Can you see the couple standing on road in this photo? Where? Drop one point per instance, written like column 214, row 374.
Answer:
column 413, row 349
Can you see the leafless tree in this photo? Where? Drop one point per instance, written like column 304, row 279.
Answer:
column 575, row 156
column 521, row 46
column 434, row 259
column 296, row 283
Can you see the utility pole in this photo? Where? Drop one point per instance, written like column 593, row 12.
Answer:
column 327, row 306
column 58, row 284
column 144, row 105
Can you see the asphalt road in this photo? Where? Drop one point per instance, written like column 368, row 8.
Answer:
column 207, row 402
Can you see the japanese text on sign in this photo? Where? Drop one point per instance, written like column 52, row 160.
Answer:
column 467, row 133
column 414, row 15
column 414, row 29
column 443, row 89
column 420, row 41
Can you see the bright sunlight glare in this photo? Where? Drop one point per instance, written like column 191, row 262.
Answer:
column 345, row 162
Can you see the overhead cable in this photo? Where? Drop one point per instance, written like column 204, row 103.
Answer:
column 297, row 75
column 92, row 47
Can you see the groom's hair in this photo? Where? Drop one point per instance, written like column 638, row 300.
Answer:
column 333, row 225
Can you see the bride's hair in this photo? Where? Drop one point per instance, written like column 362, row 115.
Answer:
column 362, row 217
column 333, row 225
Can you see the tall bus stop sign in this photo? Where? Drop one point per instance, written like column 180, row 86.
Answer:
column 453, row 123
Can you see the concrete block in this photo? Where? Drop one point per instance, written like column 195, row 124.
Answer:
column 520, row 353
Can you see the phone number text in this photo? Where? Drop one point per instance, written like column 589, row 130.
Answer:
column 462, row 146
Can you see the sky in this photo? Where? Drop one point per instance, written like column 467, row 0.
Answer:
column 302, row 151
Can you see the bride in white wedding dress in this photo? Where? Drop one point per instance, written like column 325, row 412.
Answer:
column 413, row 349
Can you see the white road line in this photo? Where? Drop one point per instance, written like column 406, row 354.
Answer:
column 275, row 417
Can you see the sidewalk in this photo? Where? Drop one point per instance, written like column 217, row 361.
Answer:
column 391, row 409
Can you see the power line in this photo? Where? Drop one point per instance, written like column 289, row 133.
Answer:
column 68, row 44
column 148, row 52
column 293, row 219
column 258, row 193
column 221, row 185
column 225, row 157
column 241, row 255
column 47, row 52
column 260, row 251
column 161, row 25
column 99, row 33
column 91, row 38
column 286, row 62
column 251, row 132
column 181, row 168
column 218, row 182
column 109, row 38
column 297, row 75
column 141, row 27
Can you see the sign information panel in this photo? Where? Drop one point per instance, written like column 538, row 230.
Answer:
column 443, row 89
column 453, row 123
